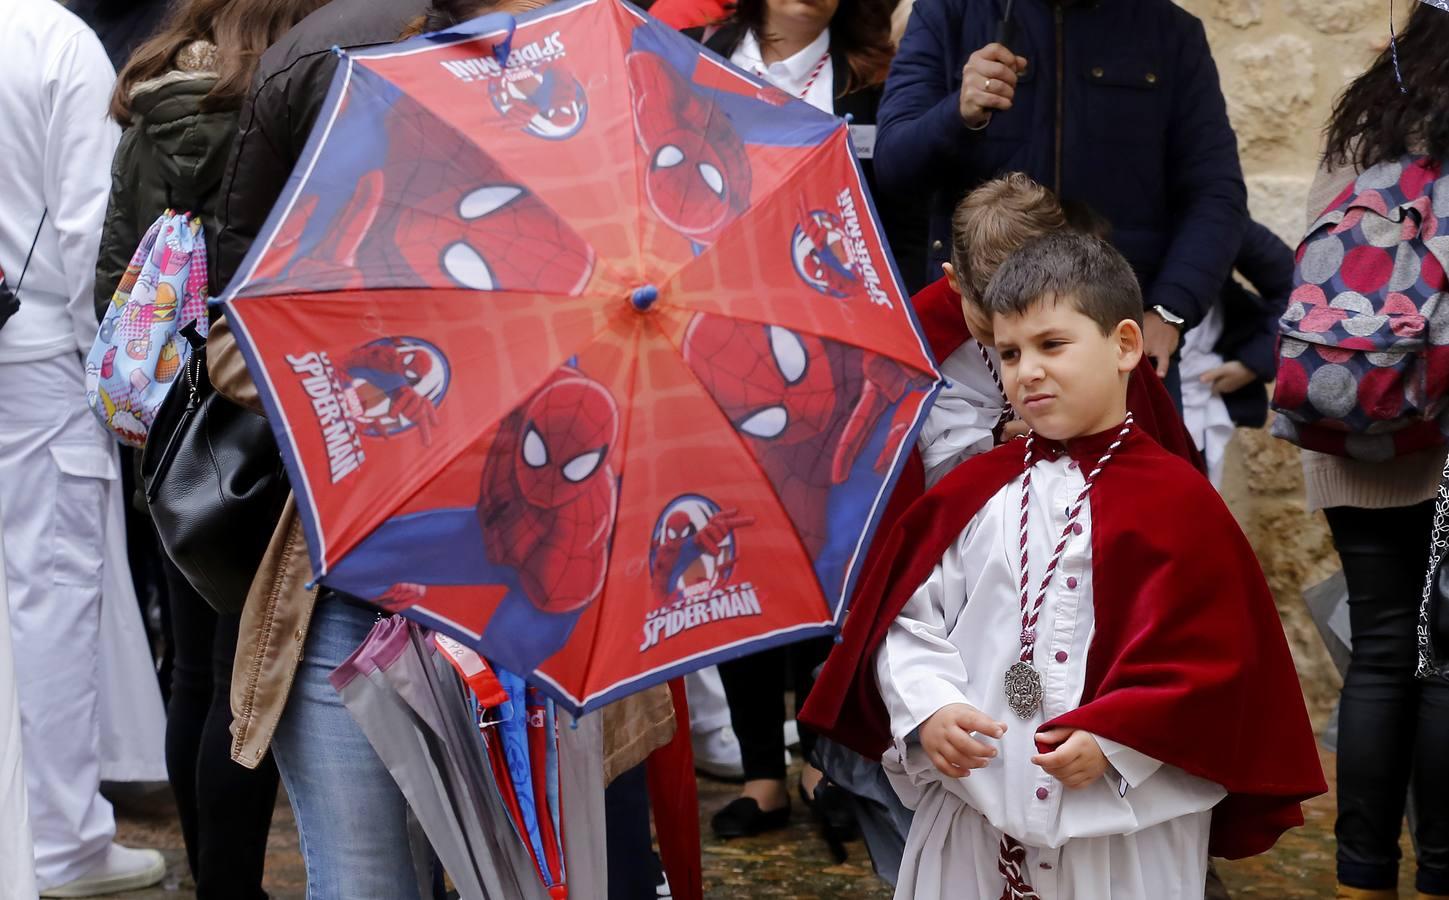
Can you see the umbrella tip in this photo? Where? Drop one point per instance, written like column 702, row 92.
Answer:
column 644, row 297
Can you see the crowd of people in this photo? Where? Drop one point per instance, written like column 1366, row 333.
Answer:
column 1062, row 193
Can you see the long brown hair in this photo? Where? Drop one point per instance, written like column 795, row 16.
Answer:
column 241, row 30
column 860, row 29
column 1379, row 118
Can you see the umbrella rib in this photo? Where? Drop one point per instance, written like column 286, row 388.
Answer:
column 624, row 443
column 740, row 222
column 749, row 454
column 453, row 457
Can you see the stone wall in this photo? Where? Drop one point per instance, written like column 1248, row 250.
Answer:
column 1282, row 63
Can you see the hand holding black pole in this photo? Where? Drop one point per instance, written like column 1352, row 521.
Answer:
column 1006, row 28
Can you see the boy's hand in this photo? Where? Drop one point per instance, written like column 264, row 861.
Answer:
column 1076, row 762
column 947, row 739
column 1228, row 377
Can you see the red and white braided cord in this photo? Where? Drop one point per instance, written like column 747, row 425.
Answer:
column 1007, row 413
column 810, row 82
column 1009, row 862
column 1031, row 611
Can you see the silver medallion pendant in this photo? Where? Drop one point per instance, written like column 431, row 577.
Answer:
column 1023, row 689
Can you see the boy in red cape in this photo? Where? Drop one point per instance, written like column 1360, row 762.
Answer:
column 1096, row 726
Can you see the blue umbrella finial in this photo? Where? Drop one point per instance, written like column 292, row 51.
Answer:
column 644, row 297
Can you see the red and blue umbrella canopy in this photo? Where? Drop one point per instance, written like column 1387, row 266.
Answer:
column 582, row 347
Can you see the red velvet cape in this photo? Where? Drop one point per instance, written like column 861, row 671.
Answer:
column 1188, row 663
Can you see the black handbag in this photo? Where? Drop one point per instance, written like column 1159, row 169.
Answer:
column 214, row 483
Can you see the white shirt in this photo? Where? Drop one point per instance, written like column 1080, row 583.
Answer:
column 954, row 641
column 963, row 420
column 792, row 74
column 56, row 143
column 1204, row 413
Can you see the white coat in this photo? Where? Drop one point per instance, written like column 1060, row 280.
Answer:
column 17, row 860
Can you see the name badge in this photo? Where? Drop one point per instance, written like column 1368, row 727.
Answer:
column 864, row 138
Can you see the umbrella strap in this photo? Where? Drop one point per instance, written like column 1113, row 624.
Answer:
column 1438, row 543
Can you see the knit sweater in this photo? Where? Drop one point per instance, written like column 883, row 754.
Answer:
column 1340, row 481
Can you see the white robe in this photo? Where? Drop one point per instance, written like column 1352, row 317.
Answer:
column 963, row 420
column 133, row 718
column 1139, row 832
column 1204, row 413
column 17, row 855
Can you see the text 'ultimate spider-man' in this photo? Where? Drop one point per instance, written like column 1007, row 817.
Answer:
column 694, row 549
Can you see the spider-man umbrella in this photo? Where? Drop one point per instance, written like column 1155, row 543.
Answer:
column 582, row 347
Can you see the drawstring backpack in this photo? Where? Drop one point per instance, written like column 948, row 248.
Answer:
column 140, row 349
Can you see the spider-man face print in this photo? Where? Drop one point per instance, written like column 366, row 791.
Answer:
column 547, row 102
column 427, row 208
column 492, row 237
column 697, row 176
column 466, row 222
column 774, row 384
column 566, row 433
column 549, row 494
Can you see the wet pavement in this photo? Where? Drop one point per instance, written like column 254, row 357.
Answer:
column 790, row 863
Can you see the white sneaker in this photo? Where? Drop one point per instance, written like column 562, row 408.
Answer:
column 717, row 753
column 123, row 869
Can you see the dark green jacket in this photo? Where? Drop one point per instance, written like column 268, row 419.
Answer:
column 171, row 157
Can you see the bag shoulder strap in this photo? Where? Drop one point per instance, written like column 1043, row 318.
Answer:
column 1438, row 542
column 31, row 252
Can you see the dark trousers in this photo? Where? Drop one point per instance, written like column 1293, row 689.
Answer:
column 1393, row 728
column 225, row 809
column 633, row 865
column 755, row 690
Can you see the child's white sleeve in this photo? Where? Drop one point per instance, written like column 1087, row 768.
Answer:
column 917, row 668
column 962, row 423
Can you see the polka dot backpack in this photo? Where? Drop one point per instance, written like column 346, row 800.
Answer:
column 1363, row 353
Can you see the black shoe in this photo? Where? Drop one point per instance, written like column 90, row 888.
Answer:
column 744, row 818
column 831, row 809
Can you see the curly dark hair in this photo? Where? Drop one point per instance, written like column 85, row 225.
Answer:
column 1374, row 121
column 861, row 29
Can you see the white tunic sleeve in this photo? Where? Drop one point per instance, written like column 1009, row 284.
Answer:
column 962, row 422
column 1133, row 767
column 918, row 668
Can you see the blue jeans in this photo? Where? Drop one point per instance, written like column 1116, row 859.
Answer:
column 351, row 817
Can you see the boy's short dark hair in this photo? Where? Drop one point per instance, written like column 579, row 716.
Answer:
column 1068, row 264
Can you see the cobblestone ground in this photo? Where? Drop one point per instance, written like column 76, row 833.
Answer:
column 792, row 863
